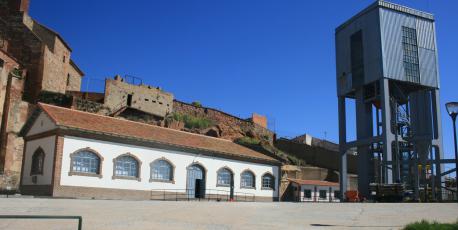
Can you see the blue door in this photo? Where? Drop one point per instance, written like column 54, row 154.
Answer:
column 195, row 182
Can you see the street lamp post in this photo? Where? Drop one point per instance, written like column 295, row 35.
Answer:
column 452, row 109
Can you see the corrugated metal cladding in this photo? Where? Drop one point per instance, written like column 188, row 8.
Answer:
column 371, row 48
column 428, row 70
column 425, row 34
column 383, row 49
column 391, row 23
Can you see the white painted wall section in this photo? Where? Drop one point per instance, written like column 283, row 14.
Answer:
column 181, row 160
column 315, row 193
column 42, row 124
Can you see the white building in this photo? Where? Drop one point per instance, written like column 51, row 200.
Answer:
column 315, row 190
column 70, row 153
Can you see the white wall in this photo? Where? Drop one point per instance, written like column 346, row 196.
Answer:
column 181, row 160
column 48, row 145
column 42, row 124
column 316, row 195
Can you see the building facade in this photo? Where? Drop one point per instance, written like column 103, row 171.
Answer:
column 70, row 153
column 315, row 191
column 33, row 59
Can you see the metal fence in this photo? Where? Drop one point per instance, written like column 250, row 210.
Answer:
column 448, row 195
column 79, row 218
column 317, row 198
column 208, row 195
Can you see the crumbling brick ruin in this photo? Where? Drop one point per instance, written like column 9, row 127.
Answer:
column 120, row 95
column 143, row 103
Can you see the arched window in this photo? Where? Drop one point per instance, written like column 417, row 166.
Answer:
column 85, row 161
column 247, row 179
column 126, row 166
column 38, row 159
column 161, row 170
column 268, row 181
column 224, row 177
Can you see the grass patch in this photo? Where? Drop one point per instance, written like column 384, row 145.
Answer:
column 426, row 225
column 247, row 141
column 192, row 122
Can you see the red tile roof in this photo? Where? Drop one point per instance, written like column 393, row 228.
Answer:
column 84, row 121
column 313, row 182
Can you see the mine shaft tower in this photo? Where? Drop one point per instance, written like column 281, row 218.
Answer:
column 386, row 60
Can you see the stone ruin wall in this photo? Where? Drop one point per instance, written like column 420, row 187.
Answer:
column 154, row 106
column 15, row 111
column 230, row 127
column 142, row 97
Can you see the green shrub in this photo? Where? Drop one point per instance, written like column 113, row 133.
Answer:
column 196, row 104
column 426, row 225
column 192, row 122
column 247, row 141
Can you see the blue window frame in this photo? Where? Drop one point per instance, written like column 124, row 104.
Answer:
column 247, row 180
column 224, row 177
column 86, row 162
column 268, row 181
column 161, row 170
column 126, row 166
column 411, row 60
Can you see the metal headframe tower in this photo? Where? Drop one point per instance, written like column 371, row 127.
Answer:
column 386, row 60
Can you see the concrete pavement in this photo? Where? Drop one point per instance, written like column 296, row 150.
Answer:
column 139, row 215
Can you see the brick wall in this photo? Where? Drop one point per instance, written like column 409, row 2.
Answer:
column 59, row 149
column 7, row 64
column 231, row 127
column 14, row 113
column 259, row 119
column 74, row 78
column 27, row 48
column 142, row 97
column 55, row 69
column 55, row 65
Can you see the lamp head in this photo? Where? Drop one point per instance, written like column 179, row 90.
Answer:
column 452, row 109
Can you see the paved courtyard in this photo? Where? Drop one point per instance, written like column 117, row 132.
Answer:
column 113, row 215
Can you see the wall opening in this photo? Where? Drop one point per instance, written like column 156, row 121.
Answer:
column 129, row 100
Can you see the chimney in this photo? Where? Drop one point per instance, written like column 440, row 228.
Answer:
column 19, row 5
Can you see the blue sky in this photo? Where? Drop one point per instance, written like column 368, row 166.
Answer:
column 270, row 57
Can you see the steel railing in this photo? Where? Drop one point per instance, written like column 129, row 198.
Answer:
column 207, row 195
column 448, row 195
column 319, row 199
column 79, row 218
